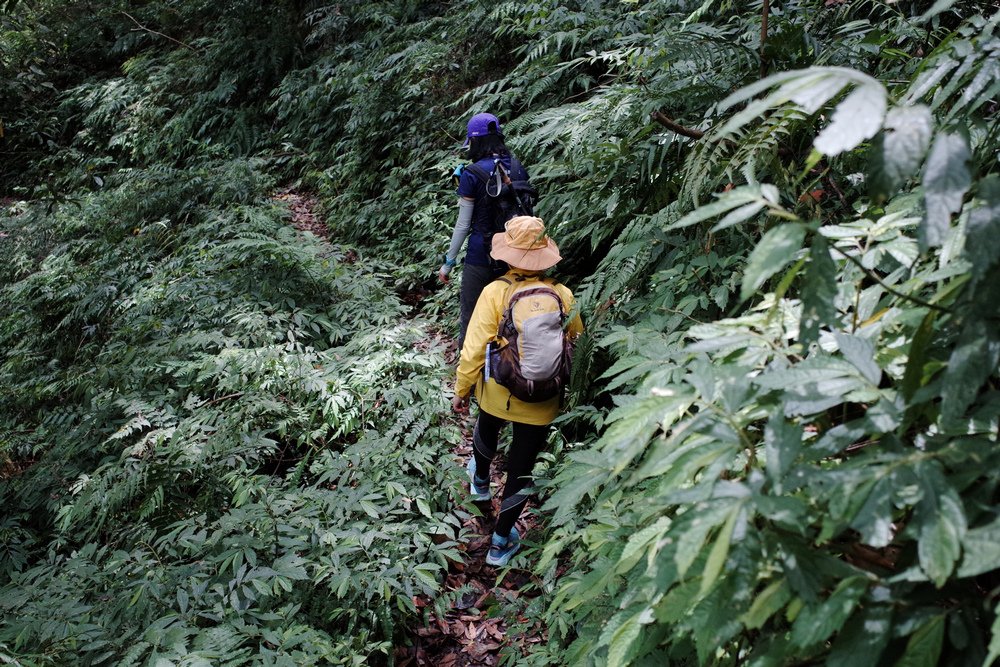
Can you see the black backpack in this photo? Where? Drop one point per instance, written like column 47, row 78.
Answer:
column 506, row 197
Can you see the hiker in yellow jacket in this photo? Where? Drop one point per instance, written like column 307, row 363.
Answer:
column 529, row 252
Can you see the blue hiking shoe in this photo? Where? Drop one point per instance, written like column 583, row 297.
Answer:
column 479, row 490
column 502, row 548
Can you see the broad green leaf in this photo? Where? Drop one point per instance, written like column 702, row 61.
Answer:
column 941, row 522
column 424, row 507
column 620, row 636
column 782, row 444
column 789, row 512
column 292, row 567
column 984, row 228
column 738, row 199
column 819, row 289
column 994, row 648
column 903, row 249
column 815, row 93
column 927, row 80
column 938, row 7
column 720, row 550
column 874, row 518
column 676, row 459
column 823, row 395
column 713, row 622
column 815, row 623
column 575, row 482
column 766, row 604
column 702, row 521
column 973, row 360
column 924, row 646
column 426, row 572
column 369, row 509
column 914, row 376
column 636, row 544
column 861, row 353
column 809, row 76
column 981, row 550
column 863, row 639
column 897, row 152
column 677, row 604
column 633, row 425
column 797, row 84
column 738, row 215
column 808, row 570
column 774, row 251
column 856, row 119
column 946, row 180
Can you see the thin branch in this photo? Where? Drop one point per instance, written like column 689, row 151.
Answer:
column 833, row 186
column 155, row 32
column 694, row 271
column 765, row 12
column 221, row 398
column 891, row 290
column 674, row 126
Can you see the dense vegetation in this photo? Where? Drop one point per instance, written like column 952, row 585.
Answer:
column 223, row 441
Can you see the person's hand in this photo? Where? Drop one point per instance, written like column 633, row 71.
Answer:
column 459, row 405
column 446, row 268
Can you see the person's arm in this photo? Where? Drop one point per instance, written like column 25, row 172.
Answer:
column 575, row 326
column 462, row 228
column 482, row 328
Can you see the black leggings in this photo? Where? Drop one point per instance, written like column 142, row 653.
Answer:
column 527, row 442
column 474, row 279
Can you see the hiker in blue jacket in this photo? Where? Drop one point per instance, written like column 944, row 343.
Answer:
column 484, row 140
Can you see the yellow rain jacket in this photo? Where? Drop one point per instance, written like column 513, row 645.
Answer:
column 492, row 397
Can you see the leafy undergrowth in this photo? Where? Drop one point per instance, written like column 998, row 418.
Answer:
column 235, row 436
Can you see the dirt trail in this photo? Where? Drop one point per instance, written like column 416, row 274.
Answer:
column 303, row 209
column 473, row 630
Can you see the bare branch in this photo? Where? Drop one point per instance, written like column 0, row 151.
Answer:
column 765, row 12
column 674, row 126
column 155, row 32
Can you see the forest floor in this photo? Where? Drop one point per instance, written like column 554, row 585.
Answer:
column 473, row 630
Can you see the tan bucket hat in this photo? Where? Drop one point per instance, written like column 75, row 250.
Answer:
column 524, row 245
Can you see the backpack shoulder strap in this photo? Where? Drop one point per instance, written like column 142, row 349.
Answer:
column 480, row 173
column 508, row 291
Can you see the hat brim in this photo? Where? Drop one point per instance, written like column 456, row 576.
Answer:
column 468, row 139
column 536, row 259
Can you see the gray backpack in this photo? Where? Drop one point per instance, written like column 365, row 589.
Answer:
column 532, row 353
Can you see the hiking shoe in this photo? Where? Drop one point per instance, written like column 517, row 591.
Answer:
column 479, row 489
column 502, row 548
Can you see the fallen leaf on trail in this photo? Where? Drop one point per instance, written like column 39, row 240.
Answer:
column 480, row 649
column 494, row 631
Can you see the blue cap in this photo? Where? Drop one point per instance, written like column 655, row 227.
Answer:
column 479, row 126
